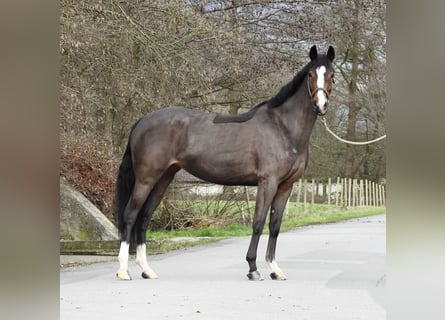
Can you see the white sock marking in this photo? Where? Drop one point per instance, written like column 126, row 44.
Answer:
column 141, row 260
column 123, row 255
column 141, row 256
column 274, row 266
column 276, row 269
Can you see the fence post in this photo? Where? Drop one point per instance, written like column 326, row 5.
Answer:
column 377, row 189
column 353, row 193
column 380, row 195
column 364, row 192
column 376, row 195
column 337, row 191
column 342, row 191
column 246, row 190
column 370, row 193
column 328, row 191
column 357, row 193
column 367, row 193
column 313, row 193
column 305, row 196
column 288, row 201
column 299, row 190
column 383, row 196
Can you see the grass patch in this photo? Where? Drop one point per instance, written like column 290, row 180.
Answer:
column 325, row 214
column 233, row 230
column 163, row 245
column 294, row 216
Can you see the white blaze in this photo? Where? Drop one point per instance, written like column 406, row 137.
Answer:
column 320, row 84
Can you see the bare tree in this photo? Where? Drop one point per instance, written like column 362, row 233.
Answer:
column 121, row 59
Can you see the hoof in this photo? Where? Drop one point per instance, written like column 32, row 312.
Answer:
column 278, row 276
column 255, row 276
column 149, row 275
column 123, row 275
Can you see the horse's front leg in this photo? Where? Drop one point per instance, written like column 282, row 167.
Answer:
column 265, row 193
column 276, row 215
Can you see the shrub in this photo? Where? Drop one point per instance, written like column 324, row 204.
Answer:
column 90, row 167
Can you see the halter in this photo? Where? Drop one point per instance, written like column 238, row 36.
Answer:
column 312, row 94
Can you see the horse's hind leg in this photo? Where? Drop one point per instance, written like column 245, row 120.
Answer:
column 134, row 205
column 276, row 215
column 146, row 213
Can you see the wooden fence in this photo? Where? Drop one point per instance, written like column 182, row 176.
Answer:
column 239, row 201
column 343, row 192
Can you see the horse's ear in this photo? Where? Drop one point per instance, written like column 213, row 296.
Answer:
column 313, row 53
column 331, row 53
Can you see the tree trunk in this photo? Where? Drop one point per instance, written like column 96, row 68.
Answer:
column 354, row 106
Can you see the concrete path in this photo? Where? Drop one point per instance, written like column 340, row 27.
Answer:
column 334, row 271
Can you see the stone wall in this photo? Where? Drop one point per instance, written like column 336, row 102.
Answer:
column 80, row 219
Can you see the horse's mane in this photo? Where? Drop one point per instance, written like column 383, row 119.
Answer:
column 285, row 93
column 289, row 89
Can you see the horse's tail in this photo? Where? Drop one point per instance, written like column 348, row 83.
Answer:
column 124, row 188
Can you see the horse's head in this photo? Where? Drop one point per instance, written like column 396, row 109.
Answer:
column 320, row 78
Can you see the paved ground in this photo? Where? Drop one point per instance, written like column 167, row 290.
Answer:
column 334, row 271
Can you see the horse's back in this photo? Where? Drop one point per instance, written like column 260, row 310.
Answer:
column 168, row 115
column 162, row 122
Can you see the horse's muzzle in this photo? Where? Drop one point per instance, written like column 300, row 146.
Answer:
column 320, row 112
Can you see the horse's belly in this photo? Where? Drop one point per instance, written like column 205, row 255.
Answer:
column 224, row 174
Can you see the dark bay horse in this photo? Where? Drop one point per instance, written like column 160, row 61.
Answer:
column 266, row 147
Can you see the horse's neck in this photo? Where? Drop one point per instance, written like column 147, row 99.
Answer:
column 298, row 117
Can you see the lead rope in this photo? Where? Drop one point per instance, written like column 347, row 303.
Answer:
column 347, row 141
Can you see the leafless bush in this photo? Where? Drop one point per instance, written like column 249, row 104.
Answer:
column 90, row 167
column 179, row 211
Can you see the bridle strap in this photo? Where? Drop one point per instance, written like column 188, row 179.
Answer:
column 312, row 93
